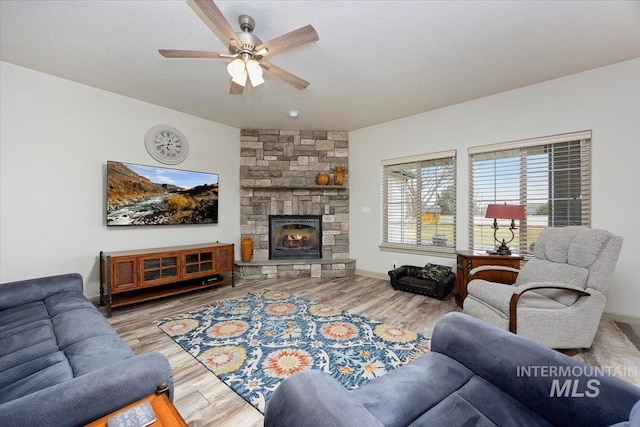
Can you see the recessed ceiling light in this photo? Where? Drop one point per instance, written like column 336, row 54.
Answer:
column 293, row 114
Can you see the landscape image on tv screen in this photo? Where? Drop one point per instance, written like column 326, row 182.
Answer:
column 151, row 195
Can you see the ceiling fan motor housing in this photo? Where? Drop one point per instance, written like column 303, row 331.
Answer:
column 247, row 23
column 246, row 37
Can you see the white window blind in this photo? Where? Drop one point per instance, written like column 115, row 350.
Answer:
column 419, row 203
column 550, row 176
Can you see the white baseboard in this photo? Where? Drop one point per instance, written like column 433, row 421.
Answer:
column 617, row 317
column 373, row 274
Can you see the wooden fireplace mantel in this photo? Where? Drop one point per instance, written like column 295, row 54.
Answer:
column 295, row 187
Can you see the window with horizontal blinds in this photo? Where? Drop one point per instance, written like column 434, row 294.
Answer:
column 419, row 204
column 550, row 176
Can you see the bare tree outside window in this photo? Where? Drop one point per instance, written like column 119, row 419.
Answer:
column 419, row 204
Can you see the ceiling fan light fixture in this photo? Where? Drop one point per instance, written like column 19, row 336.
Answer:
column 255, row 72
column 240, row 78
column 236, row 68
column 256, row 80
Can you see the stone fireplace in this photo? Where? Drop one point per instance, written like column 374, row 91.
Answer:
column 295, row 236
column 278, row 170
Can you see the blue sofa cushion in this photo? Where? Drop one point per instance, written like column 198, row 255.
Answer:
column 480, row 403
column 17, row 316
column 25, row 355
column 35, row 375
column 400, row 396
column 22, row 338
column 93, row 353
column 77, row 325
column 454, row 411
column 66, row 301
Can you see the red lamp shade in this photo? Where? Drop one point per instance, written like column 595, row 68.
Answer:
column 505, row 212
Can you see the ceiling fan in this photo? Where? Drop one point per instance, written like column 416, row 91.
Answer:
column 245, row 49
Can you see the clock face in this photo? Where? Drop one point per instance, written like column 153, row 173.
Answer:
column 166, row 144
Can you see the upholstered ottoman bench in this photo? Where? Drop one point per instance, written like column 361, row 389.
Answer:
column 432, row 280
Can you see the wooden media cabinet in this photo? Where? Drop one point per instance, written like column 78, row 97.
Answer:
column 128, row 277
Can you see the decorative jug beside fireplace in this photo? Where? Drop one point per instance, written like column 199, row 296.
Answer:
column 246, row 248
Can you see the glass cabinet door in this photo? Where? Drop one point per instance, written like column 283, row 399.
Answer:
column 199, row 263
column 159, row 268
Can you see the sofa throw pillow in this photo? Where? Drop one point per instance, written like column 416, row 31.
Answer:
column 434, row 272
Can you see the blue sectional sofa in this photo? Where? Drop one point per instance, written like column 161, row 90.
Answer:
column 475, row 375
column 61, row 363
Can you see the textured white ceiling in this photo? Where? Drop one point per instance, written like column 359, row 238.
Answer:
column 376, row 60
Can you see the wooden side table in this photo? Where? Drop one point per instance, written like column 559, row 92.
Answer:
column 468, row 260
column 166, row 414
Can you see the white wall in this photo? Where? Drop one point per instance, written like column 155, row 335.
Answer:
column 55, row 139
column 604, row 100
column 56, row 136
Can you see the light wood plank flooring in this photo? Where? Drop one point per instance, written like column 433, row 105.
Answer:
column 203, row 400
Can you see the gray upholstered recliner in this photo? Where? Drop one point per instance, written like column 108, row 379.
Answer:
column 559, row 296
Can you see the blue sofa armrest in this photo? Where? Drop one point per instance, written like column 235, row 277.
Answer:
column 313, row 398
column 21, row 292
column 88, row 397
column 561, row 389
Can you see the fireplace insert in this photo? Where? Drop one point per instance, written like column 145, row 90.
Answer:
column 295, row 236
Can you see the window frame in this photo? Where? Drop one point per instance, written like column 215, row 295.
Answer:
column 525, row 150
column 436, row 246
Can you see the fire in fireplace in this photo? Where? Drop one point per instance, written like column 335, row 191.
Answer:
column 295, row 236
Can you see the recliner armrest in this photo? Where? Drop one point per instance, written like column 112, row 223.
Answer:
column 548, row 285
column 532, row 286
column 313, row 398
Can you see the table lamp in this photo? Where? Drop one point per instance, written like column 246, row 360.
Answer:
column 504, row 211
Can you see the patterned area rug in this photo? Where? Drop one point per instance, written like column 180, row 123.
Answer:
column 254, row 343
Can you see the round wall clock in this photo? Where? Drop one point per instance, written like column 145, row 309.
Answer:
column 166, row 144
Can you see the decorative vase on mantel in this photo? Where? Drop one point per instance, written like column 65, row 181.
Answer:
column 246, row 248
column 338, row 176
column 322, row 178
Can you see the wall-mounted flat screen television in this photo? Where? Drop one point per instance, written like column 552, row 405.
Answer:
column 151, row 195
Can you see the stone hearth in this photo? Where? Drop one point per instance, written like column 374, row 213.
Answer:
column 277, row 177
